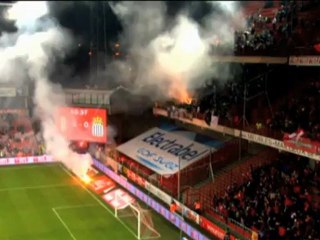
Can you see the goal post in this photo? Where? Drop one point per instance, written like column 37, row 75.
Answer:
column 137, row 219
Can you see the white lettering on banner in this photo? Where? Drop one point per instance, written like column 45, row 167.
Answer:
column 163, row 152
column 304, row 60
column 184, row 152
column 246, row 135
column 152, row 157
column 25, row 160
column 277, row 144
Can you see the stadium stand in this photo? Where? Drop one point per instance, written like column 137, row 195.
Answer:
column 276, row 28
column 275, row 200
column 273, row 194
column 17, row 136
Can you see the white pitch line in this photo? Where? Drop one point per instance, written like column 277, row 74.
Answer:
column 64, row 224
column 98, row 201
column 35, row 187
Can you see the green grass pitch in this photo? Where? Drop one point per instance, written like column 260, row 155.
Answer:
column 44, row 202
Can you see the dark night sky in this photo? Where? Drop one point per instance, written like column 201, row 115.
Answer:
column 84, row 24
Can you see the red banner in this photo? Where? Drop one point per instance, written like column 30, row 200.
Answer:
column 213, row 229
column 102, row 184
column 303, row 144
column 82, row 124
column 135, row 178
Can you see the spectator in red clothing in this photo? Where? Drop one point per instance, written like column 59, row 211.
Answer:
column 282, row 231
column 276, row 202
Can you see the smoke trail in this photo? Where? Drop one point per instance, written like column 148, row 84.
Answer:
column 174, row 55
column 29, row 55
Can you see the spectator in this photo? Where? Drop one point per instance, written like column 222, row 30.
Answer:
column 276, row 203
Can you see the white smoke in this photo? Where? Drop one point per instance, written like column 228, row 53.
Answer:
column 173, row 54
column 30, row 54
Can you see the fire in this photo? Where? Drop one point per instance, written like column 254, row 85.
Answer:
column 86, row 179
column 178, row 91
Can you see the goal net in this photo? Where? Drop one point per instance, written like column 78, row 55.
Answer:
column 137, row 220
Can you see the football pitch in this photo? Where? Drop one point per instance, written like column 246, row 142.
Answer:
column 45, row 202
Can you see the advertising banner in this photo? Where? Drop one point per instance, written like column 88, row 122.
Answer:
column 82, row 124
column 213, row 229
column 134, row 177
column 25, row 160
column 102, row 184
column 304, row 60
column 302, row 144
column 163, row 152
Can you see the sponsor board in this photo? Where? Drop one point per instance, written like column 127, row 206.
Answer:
column 163, row 152
column 102, row 184
column 118, row 198
column 278, row 145
column 25, row 160
column 191, row 215
column 134, row 177
column 304, row 60
column 302, row 143
column 213, row 229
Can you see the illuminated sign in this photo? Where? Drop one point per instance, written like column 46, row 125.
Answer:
column 82, row 124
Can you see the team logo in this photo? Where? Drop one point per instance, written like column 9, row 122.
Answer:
column 97, row 127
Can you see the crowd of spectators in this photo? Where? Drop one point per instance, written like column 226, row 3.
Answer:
column 275, row 30
column 219, row 100
column 276, row 201
column 17, row 138
column 300, row 112
column 266, row 32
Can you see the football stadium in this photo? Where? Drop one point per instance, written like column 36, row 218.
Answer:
column 169, row 120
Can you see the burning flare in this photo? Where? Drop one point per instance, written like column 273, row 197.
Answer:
column 178, row 91
column 86, row 179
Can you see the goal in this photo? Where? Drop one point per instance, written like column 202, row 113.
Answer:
column 137, row 220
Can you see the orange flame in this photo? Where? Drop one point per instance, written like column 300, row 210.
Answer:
column 86, row 179
column 178, row 91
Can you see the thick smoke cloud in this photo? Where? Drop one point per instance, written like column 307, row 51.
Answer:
column 29, row 55
column 172, row 54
